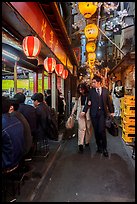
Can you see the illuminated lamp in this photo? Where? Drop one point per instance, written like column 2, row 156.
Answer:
column 64, row 74
column 87, row 8
column 31, row 46
column 91, row 75
column 92, row 56
column 49, row 64
column 91, row 64
column 59, row 69
column 91, row 32
column 90, row 47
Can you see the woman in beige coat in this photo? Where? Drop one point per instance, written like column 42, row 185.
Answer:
column 84, row 123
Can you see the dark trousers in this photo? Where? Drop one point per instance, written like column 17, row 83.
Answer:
column 100, row 130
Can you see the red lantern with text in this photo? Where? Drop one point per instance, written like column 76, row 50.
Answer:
column 59, row 69
column 64, row 74
column 31, row 46
column 49, row 64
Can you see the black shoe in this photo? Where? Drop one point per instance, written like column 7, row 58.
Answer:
column 87, row 145
column 105, row 153
column 80, row 148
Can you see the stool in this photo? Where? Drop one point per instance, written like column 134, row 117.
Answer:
column 11, row 175
column 42, row 148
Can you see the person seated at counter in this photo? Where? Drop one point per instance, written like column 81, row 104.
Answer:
column 14, row 105
column 28, row 111
column 42, row 113
column 13, row 142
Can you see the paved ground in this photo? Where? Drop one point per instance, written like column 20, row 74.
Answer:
column 67, row 176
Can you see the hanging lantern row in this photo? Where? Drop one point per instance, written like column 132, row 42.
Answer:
column 64, row 74
column 59, row 69
column 90, row 47
column 91, row 59
column 31, row 47
column 87, row 9
column 91, row 32
column 49, row 64
column 92, row 56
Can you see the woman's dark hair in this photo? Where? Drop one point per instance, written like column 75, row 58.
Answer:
column 5, row 104
column 82, row 86
column 97, row 78
column 116, row 83
column 20, row 96
column 15, row 103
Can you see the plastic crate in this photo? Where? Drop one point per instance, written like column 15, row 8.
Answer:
column 129, row 119
column 128, row 137
column 122, row 102
column 129, row 110
column 129, row 100
column 122, row 112
column 128, row 128
column 129, row 97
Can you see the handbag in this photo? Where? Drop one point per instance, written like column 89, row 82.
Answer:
column 70, row 122
column 111, row 126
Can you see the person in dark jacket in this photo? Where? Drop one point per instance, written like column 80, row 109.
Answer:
column 42, row 113
column 13, row 142
column 100, row 106
column 29, row 113
column 14, row 105
column 48, row 97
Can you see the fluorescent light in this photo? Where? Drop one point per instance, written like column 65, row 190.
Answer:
column 8, row 54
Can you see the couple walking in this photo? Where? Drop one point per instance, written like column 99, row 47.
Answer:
column 92, row 106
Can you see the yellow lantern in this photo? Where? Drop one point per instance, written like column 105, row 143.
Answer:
column 91, row 75
column 91, row 64
column 90, row 47
column 87, row 8
column 91, row 67
column 92, row 56
column 91, row 32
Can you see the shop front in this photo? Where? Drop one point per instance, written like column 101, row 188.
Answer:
column 17, row 21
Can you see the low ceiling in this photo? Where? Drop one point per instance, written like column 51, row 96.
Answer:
column 14, row 29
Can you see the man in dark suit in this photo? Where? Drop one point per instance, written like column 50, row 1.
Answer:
column 100, row 105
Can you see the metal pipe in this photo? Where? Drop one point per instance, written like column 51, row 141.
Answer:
column 15, row 77
column 61, row 23
column 111, row 41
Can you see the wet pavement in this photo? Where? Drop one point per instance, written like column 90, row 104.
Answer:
column 68, row 176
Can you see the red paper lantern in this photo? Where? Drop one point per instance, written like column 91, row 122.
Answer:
column 31, row 46
column 59, row 69
column 64, row 74
column 49, row 64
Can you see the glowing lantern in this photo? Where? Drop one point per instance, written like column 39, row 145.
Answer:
column 91, row 75
column 90, row 47
column 91, row 32
column 92, row 56
column 31, row 46
column 59, row 69
column 87, row 8
column 49, row 64
column 64, row 74
column 91, row 64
